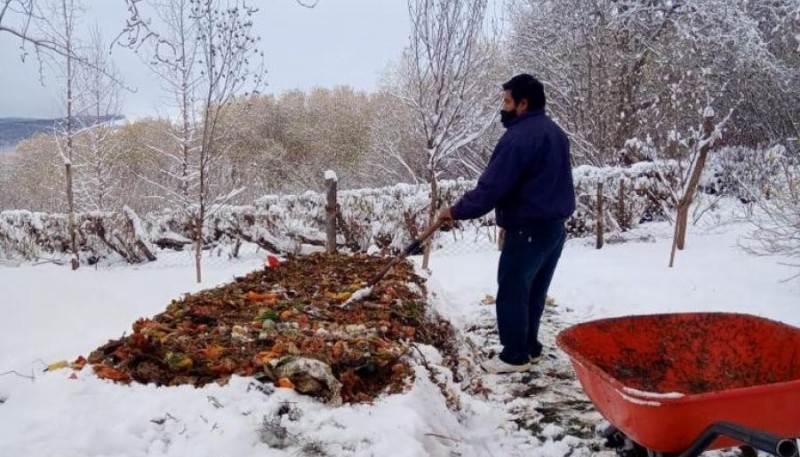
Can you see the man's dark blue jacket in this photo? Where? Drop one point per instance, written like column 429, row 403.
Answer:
column 528, row 178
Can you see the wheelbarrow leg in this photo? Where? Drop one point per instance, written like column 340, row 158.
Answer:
column 756, row 439
column 747, row 451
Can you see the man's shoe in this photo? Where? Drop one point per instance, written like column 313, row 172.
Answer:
column 497, row 366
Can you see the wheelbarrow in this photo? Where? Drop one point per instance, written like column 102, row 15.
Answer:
column 680, row 384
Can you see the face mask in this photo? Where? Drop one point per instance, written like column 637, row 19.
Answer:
column 506, row 117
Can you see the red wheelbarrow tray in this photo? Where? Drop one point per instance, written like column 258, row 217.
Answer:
column 663, row 379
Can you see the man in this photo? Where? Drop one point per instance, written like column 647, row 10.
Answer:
column 528, row 182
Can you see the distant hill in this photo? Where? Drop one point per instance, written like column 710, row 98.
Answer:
column 14, row 130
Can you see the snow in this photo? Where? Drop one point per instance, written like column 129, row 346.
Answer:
column 331, row 175
column 638, row 401
column 358, row 295
column 52, row 313
column 654, row 395
column 639, row 397
column 374, row 216
column 138, row 231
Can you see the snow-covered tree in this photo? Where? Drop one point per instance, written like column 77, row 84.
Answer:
column 204, row 52
column 98, row 163
column 592, row 57
column 616, row 70
column 60, row 28
column 769, row 95
column 776, row 211
column 443, row 81
column 640, row 72
column 395, row 148
column 24, row 20
column 700, row 142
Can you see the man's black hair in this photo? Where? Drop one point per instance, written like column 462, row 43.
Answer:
column 525, row 86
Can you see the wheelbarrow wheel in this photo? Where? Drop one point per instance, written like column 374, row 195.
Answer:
column 636, row 451
column 622, row 445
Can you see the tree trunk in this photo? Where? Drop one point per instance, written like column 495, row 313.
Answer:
column 431, row 218
column 201, row 216
column 674, row 242
column 330, row 215
column 72, row 225
column 236, row 248
column 73, row 236
column 198, row 254
column 184, row 184
column 694, row 180
column 623, row 224
column 599, row 219
column 681, row 222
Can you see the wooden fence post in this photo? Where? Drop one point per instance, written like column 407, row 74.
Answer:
column 599, row 217
column 623, row 224
column 330, row 210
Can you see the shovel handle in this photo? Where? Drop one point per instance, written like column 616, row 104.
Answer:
column 407, row 251
column 421, row 239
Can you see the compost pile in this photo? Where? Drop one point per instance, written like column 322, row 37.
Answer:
column 279, row 317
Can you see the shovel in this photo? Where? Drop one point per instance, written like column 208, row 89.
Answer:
column 415, row 246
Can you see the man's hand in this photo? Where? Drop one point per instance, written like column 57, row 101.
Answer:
column 445, row 218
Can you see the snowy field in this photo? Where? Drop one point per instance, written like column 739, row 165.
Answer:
column 50, row 313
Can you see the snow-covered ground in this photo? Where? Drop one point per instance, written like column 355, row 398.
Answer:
column 50, row 313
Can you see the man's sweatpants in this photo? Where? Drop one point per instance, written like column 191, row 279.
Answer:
column 527, row 263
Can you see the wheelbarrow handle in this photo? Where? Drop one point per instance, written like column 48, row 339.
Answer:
column 414, row 246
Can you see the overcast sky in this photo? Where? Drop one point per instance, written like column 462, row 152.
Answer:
column 337, row 42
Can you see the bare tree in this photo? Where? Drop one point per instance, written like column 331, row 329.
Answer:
column 227, row 44
column 57, row 22
column 477, row 154
column 138, row 28
column 616, row 70
column 21, row 18
column 702, row 142
column 203, row 55
column 60, row 28
column 396, row 149
column 98, row 164
column 32, row 21
column 776, row 211
column 595, row 59
column 175, row 56
column 443, row 79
